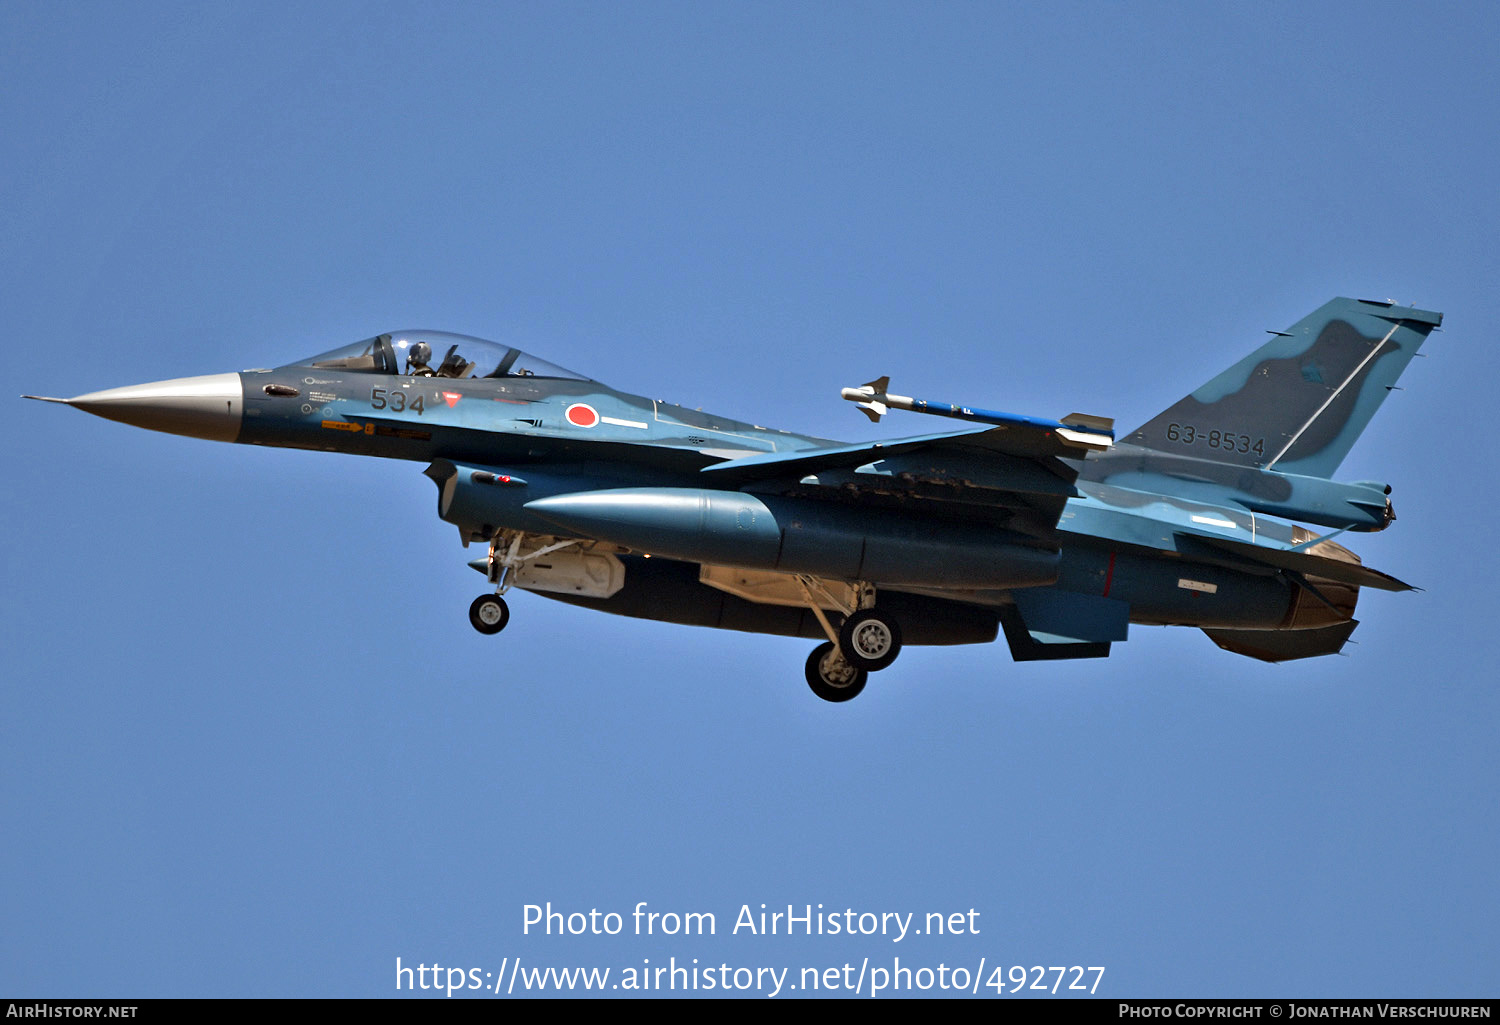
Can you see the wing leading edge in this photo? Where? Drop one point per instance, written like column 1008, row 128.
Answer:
column 1024, row 466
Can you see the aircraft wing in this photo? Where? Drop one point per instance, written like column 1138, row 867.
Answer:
column 1019, row 471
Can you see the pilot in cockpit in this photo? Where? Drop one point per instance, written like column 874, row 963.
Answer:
column 416, row 360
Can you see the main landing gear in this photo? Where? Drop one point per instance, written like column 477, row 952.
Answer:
column 830, row 675
column 868, row 641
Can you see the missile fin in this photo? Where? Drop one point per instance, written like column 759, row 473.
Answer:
column 1104, row 424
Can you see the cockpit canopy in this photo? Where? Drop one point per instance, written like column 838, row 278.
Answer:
column 437, row 354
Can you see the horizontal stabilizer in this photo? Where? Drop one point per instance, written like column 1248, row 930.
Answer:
column 1294, row 561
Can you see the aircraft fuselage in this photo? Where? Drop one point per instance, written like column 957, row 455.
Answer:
column 1045, row 528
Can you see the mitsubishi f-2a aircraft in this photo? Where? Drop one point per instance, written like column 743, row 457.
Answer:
column 1048, row 530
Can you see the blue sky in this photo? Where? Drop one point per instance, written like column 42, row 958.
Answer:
column 249, row 744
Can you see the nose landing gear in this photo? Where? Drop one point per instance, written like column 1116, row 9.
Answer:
column 489, row 613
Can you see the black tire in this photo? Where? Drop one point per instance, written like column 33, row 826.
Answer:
column 831, row 677
column 870, row 640
column 489, row 613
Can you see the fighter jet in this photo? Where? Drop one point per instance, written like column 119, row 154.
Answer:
column 1051, row 531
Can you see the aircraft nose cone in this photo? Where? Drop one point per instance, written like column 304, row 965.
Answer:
column 209, row 407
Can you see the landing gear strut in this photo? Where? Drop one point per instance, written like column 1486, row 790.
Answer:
column 489, row 613
column 867, row 642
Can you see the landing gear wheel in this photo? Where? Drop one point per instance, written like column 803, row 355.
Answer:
column 489, row 613
column 830, row 675
column 870, row 640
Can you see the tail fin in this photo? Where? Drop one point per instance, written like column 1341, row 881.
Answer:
column 1299, row 402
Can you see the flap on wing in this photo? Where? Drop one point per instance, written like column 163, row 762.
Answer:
column 1293, row 561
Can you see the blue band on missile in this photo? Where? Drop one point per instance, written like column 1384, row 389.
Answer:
column 990, row 416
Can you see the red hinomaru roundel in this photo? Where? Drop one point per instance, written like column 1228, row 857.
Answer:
column 581, row 414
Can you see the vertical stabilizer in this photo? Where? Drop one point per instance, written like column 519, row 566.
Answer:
column 1299, row 402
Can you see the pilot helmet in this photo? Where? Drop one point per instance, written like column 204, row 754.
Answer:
column 419, row 353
